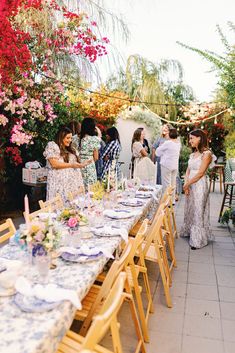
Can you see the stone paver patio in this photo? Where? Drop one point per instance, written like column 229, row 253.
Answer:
column 202, row 319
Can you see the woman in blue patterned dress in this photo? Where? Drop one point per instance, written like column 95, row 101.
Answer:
column 111, row 152
column 89, row 149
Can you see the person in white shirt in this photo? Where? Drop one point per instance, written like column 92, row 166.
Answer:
column 169, row 152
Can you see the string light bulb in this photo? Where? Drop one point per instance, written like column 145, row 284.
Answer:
column 166, row 114
column 91, row 101
column 202, row 126
column 215, row 121
column 178, row 129
column 188, row 128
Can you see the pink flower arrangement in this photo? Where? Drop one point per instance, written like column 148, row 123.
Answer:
column 72, row 222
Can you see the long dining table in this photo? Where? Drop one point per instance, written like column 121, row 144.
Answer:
column 27, row 332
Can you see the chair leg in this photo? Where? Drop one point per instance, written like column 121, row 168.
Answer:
column 116, row 336
column 223, row 202
column 129, row 298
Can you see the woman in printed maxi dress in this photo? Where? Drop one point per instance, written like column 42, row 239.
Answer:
column 196, row 213
column 89, row 149
column 64, row 173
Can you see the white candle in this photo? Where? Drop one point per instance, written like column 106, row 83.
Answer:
column 116, row 181
column 26, row 209
column 89, row 197
column 108, row 185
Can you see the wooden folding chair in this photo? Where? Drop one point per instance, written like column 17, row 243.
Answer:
column 7, row 230
column 74, row 194
column 167, row 231
column 36, row 213
column 97, row 294
column 133, row 271
column 105, row 320
column 154, row 249
column 172, row 222
column 56, row 203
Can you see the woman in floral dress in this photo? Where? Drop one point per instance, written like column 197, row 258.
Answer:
column 196, row 212
column 64, row 173
column 89, row 149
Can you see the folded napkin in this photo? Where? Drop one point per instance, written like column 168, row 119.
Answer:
column 9, row 276
column 120, row 213
column 112, row 231
column 147, row 187
column 51, row 293
column 144, row 193
column 46, row 215
column 86, row 251
column 131, row 201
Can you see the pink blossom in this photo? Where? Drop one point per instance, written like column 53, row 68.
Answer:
column 3, row 120
column 72, row 222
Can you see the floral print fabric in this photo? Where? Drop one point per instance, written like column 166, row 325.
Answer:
column 61, row 181
column 88, row 145
column 197, row 208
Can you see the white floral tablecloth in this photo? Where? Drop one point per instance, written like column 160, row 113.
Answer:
column 22, row 332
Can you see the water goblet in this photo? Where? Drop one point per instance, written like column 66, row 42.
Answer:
column 43, row 262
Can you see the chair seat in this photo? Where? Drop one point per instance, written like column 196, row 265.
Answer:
column 87, row 303
column 71, row 343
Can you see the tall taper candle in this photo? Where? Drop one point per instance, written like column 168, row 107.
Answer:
column 108, row 185
column 26, row 209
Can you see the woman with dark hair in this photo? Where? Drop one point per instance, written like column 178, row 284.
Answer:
column 196, row 213
column 89, row 149
column 63, row 165
column 137, row 149
column 111, row 152
column 141, row 166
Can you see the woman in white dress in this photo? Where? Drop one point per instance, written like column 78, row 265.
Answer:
column 196, row 213
column 63, row 165
column 141, row 167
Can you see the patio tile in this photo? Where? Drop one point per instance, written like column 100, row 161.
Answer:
column 181, row 265
column 200, row 258
column 160, row 305
column 166, row 322
column 193, row 344
column 201, row 268
column 222, row 260
column 178, row 289
column 229, row 347
column 228, row 330
column 197, row 291
column 227, row 294
column 204, row 327
column 202, row 308
column 225, row 239
column 227, row 310
column 225, row 275
column 224, row 245
column 164, row 343
column 179, row 276
column 182, row 256
column 202, row 278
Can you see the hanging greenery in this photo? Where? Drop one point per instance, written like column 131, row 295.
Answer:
column 143, row 116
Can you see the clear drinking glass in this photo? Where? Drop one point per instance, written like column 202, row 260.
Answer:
column 43, row 263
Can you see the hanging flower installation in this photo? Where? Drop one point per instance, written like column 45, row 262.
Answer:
column 37, row 38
